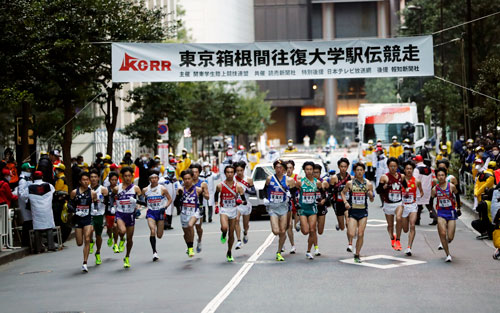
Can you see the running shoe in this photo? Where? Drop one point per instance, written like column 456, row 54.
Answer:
column 440, row 247
column 198, row 247
column 292, row 250
column 393, row 241
column 238, row 245
column 126, row 262
column 408, row 251
column 496, row 255
column 316, row 251
column 283, row 249
column 309, row 256
column 223, row 238
column 116, row 249
column 279, row 257
column 357, row 259
column 91, row 251
column 98, row 260
column 245, row 239
column 398, row 247
column 122, row 246
column 349, row 248
column 448, row 258
column 337, row 227
column 84, row 268
column 190, row 252
column 229, row 258
column 297, row 227
column 110, row 241
column 155, row 257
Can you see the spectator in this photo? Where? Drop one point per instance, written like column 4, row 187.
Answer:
column 458, row 147
column 106, row 162
column 6, row 196
column 495, row 214
column 495, row 154
column 426, row 153
column 424, row 174
column 46, row 167
column 127, row 160
column 11, row 165
column 60, row 198
column 25, row 180
column 55, row 157
column 97, row 164
column 40, row 197
column 144, row 164
column 407, row 155
column 75, row 171
column 484, row 180
column 483, row 225
column 395, row 149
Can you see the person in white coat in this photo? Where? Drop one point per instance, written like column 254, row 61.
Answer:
column 425, row 175
column 25, row 180
column 170, row 182
column 210, row 178
column 40, row 197
column 381, row 164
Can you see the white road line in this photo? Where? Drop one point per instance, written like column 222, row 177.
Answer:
column 233, row 283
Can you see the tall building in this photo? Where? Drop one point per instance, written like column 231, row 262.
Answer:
column 303, row 106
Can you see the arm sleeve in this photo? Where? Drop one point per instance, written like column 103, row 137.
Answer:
column 216, row 196
column 380, row 188
column 251, row 191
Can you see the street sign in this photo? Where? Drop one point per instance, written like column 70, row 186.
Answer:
column 163, row 129
column 163, row 153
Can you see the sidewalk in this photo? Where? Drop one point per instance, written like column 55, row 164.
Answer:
column 468, row 215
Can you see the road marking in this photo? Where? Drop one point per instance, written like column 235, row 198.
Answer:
column 233, row 283
column 204, row 233
column 378, row 223
column 401, row 261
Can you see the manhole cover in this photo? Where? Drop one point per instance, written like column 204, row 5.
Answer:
column 35, row 272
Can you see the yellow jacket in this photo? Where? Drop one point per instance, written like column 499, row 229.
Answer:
column 484, row 180
column 182, row 166
column 61, row 184
column 395, row 150
column 292, row 150
column 254, row 158
column 105, row 172
column 368, row 158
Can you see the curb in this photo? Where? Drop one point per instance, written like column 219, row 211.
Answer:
column 468, row 215
column 9, row 256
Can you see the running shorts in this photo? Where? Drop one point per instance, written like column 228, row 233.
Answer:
column 81, row 222
column 110, row 221
column 277, row 209
column 390, row 208
column 358, row 214
column 185, row 218
column 409, row 208
column 98, row 223
column 339, row 208
column 245, row 209
column 127, row 218
column 307, row 212
column 449, row 215
column 157, row 215
column 231, row 213
column 322, row 210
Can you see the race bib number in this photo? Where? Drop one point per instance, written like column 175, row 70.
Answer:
column 276, row 197
column 230, row 203
column 126, row 206
column 309, row 197
column 187, row 210
column 408, row 199
column 444, row 203
column 358, row 198
column 82, row 210
column 394, row 196
column 154, row 203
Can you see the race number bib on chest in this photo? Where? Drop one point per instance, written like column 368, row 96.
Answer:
column 408, row 198
column 82, row 210
column 188, row 209
column 277, row 197
column 358, row 198
column 309, row 197
column 394, row 196
column 444, row 203
column 154, row 203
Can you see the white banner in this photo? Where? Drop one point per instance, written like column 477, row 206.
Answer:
column 357, row 58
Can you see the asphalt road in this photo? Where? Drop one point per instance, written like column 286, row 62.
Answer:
column 53, row 282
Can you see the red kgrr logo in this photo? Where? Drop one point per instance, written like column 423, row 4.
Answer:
column 134, row 64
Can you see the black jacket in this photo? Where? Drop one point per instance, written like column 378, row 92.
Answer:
column 47, row 168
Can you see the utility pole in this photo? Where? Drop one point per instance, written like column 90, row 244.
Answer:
column 470, row 67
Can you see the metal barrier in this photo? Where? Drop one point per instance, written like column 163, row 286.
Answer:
column 466, row 179
column 6, row 236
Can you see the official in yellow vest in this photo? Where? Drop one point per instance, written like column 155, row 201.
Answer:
column 395, row 149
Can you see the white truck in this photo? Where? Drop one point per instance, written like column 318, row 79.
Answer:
column 385, row 120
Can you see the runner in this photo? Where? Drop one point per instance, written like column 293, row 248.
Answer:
column 292, row 210
column 230, row 194
column 98, row 212
column 188, row 202
column 445, row 164
column 337, row 184
column 81, row 200
column 243, row 210
column 448, row 210
column 410, row 208
column 126, row 203
column 357, row 206
column 307, row 205
column 196, row 169
column 322, row 207
column 389, row 188
column 111, row 228
column 157, row 200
